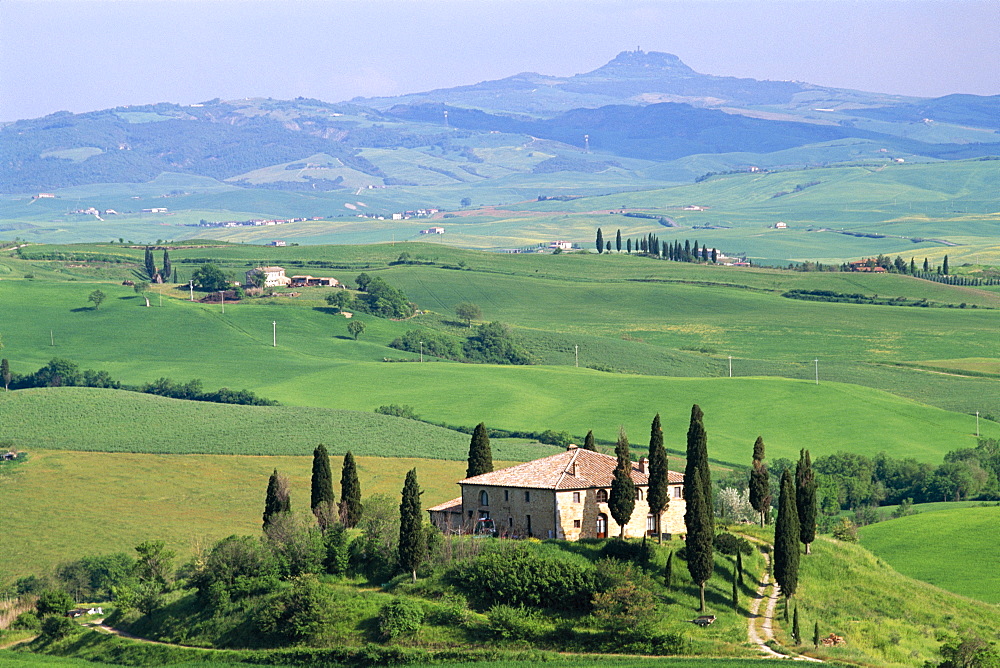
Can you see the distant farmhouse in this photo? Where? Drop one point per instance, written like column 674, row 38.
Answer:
column 563, row 496
column 433, row 230
column 313, row 282
column 867, row 265
column 273, row 277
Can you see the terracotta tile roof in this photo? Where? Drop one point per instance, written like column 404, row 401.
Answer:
column 453, row 506
column 572, row 469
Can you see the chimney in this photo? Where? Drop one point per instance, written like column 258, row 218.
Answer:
column 572, row 446
column 642, row 464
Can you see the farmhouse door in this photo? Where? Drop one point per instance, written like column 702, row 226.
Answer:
column 602, row 526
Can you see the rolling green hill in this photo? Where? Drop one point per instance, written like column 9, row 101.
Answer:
column 946, row 547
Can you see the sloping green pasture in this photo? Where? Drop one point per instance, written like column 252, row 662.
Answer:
column 66, row 505
column 952, row 548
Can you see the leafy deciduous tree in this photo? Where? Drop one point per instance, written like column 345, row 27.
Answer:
column 97, row 297
column 468, row 312
column 356, row 328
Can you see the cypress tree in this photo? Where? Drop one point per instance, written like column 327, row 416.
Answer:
column 816, row 635
column 5, row 373
column 687, row 250
column 715, row 256
column 739, row 565
column 786, row 540
column 600, row 241
column 927, row 266
column 697, row 456
column 588, row 442
column 628, row 245
column 913, row 266
column 618, row 241
column 658, row 492
column 796, row 635
column 736, row 591
column 944, row 267
column 700, row 532
column 760, row 486
column 805, row 498
column 166, row 265
column 621, row 502
column 277, row 499
column 150, row 265
column 480, row 454
column 350, row 492
column 321, row 497
column 668, row 571
column 411, row 530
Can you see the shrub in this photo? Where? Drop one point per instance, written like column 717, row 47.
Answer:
column 452, row 610
column 53, row 602
column 399, row 618
column 57, row 626
column 637, row 552
column 727, row 543
column 846, row 531
column 27, row 621
column 509, row 623
column 625, row 607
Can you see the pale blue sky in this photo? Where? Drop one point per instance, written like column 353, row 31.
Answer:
column 81, row 55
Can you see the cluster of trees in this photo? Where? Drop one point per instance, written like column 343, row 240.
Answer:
column 491, row 343
column 651, row 246
column 381, row 299
column 158, row 275
column 66, row 373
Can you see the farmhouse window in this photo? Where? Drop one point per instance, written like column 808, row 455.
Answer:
column 470, row 514
column 602, row 496
column 484, row 498
column 506, row 495
column 677, row 492
column 528, row 522
column 527, row 495
column 576, row 497
column 638, row 493
column 576, row 524
column 650, row 524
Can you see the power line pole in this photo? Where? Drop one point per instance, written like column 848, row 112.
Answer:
column 421, row 351
column 576, row 354
column 817, row 370
column 191, row 286
column 977, row 424
column 222, row 300
column 730, row 366
column 274, row 333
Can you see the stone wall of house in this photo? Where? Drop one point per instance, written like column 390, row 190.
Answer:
column 579, row 512
column 511, row 510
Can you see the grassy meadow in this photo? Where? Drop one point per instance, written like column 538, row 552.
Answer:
column 945, row 546
column 66, row 505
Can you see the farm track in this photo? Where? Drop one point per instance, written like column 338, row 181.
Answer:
column 769, row 591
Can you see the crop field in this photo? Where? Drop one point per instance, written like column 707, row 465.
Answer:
column 73, row 504
column 943, row 547
column 80, row 418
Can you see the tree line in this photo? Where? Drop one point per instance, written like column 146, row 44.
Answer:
column 651, row 246
column 66, row 373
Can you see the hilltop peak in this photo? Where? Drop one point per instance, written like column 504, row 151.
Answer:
column 645, row 63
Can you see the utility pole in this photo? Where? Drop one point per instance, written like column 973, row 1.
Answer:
column 817, row 370
column 421, row 351
column 977, row 424
column 52, row 338
column 274, row 333
column 222, row 300
column 576, row 354
column 730, row 366
column 191, row 285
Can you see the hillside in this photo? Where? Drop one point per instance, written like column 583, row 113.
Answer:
column 930, row 545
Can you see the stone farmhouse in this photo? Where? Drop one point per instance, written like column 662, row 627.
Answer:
column 562, row 496
column 274, row 277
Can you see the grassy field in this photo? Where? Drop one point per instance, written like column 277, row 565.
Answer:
column 945, row 547
column 65, row 505
column 81, row 418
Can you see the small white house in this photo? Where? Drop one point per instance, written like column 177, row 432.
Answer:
column 561, row 245
column 273, row 276
column 278, row 243
column 433, row 230
column 780, row 226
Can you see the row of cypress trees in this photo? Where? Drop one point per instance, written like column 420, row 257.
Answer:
column 322, row 500
column 796, row 523
column 150, row 266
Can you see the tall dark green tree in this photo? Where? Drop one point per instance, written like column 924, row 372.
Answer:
column 700, row 533
column 5, row 374
column 786, row 540
column 760, row 485
column 668, row 571
column 944, row 267
column 480, row 453
column 628, row 245
column 588, row 442
column 736, row 591
column 600, row 241
column 621, row 502
column 350, row 492
column 150, row 264
column 739, row 566
column 321, row 490
column 165, row 272
column 697, row 456
column 913, row 266
column 412, row 542
column 278, row 499
column 658, row 493
column 927, row 265
column 618, row 241
column 805, row 498
column 796, row 634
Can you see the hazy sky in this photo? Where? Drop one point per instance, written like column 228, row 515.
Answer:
column 81, row 55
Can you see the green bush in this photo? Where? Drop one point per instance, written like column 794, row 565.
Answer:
column 53, row 602
column 27, row 621
column 57, row 626
column 399, row 618
column 509, row 623
column 727, row 543
column 637, row 552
